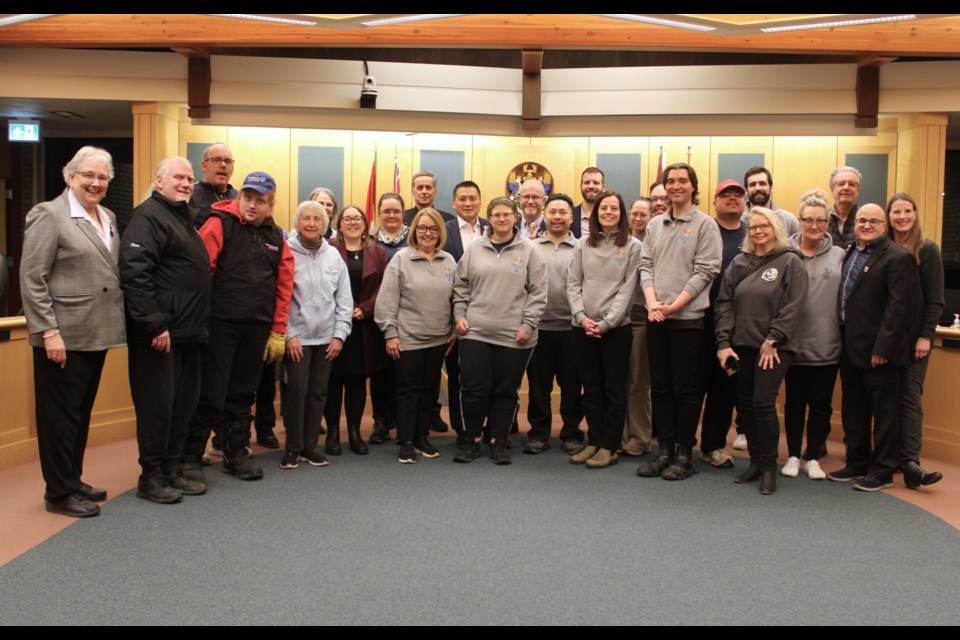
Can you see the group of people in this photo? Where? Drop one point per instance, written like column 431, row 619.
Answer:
column 638, row 313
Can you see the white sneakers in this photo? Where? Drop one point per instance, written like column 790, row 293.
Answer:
column 792, row 468
column 812, row 467
column 740, row 444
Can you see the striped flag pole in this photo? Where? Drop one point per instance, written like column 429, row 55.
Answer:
column 372, row 191
column 396, row 173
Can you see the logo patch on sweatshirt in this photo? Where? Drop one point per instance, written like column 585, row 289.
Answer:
column 685, row 236
column 620, row 258
column 517, row 264
column 770, row 274
column 271, row 247
column 448, row 273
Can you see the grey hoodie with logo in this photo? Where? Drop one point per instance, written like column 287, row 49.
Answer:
column 500, row 293
column 762, row 297
column 602, row 281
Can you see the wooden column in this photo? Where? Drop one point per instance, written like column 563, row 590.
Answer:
column 532, row 64
column 156, row 135
column 921, row 157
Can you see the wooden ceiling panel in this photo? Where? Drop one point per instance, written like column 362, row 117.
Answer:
column 935, row 36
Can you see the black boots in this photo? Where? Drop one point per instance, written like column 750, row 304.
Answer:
column 915, row 477
column 234, row 437
column 658, row 465
column 752, row 474
column 768, row 482
column 357, row 445
column 682, row 466
column 332, row 443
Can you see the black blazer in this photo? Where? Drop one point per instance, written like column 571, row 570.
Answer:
column 412, row 211
column 454, row 245
column 881, row 310
column 575, row 226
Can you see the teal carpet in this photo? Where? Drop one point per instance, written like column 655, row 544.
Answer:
column 370, row 541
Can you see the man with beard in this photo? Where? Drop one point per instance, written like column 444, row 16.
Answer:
column 532, row 196
column 759, row 184
column 591, row 185
column 658, row 196
column 217, row 166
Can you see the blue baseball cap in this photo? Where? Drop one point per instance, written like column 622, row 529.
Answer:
column 260, row 182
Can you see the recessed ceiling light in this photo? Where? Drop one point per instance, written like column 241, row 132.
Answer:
column 839, row 23
column 17, row 18
column 414, row 18
column 250, row 16
column 632, row 17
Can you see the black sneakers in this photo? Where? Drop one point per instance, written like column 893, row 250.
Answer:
column 424, row 448
column 408, row 454
column 290, row 460
column 499, row 454
column 469, row 452
column 313, row 457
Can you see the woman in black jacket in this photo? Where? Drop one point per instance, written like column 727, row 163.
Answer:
column 904, row 229
column 760, row 302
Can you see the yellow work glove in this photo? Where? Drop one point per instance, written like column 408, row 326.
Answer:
column 276, row 347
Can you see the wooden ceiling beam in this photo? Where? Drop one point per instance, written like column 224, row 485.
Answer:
column 868, row 97
column 198, row 87
column 531, row 63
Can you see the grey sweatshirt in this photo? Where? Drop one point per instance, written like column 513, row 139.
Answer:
column 762, row 297
column 602, row 281
column 557, row 317
column 682, row 254
column 817, row 337
column 499, row 293
column 321, row 307
column 415, row 297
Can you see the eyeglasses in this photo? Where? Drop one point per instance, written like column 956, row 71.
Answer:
column 530, row 196
column 870, row 222
column 502, row 215
column 352, row 220
column 423, row 231
column 814, row 222
column 219, row 160
column 90, row 176
column 659, row 198
column 758, row 227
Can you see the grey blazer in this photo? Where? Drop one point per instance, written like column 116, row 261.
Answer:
column 69, row 280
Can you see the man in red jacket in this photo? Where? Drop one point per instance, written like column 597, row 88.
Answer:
column 252, row 271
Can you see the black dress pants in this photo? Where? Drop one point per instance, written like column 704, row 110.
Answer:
column 603, row 363
column 871, row 396
column 383, row 395
column 64, row 401
column 265, row 418
column 452, row 363
column 418, row 379
column 490, row 377
column 553, row 357
column 672, row 350
column 165, row 388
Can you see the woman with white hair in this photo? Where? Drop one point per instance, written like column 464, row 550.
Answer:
column 70, row 284
column 757, row 312
column 321, row 311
